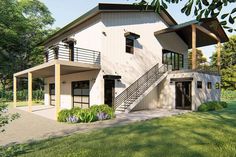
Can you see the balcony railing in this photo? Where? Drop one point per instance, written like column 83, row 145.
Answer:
column 63, row 52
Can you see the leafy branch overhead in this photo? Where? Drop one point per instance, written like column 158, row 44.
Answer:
column 201, row 9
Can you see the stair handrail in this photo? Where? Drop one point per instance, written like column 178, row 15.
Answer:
column 133, row 88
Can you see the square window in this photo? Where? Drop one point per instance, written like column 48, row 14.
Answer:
column 199, row 84
column 209, row 85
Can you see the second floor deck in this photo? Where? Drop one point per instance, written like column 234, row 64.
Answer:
column 68, row 52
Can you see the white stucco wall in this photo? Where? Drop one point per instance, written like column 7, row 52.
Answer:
column 148, row 48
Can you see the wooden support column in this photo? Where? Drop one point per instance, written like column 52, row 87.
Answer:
column 57, row 87
column 218, row 56
column 194, row 50
column 14, row 91
column 30, row 91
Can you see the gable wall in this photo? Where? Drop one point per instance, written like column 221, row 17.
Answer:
column 148, row 48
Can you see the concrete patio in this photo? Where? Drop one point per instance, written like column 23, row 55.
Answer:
column 40, row 125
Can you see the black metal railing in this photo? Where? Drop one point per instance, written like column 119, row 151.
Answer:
column 63, row 52
column 135, row 90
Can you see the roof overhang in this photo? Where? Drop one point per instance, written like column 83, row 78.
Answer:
column 108, row 7
column 112, row 77
column 211, row 25
column 48, row 69
column 131, row 35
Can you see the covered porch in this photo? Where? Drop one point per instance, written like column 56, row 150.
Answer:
column 56, row 69
column 205, row 32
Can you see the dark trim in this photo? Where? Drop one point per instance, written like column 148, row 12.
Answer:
column 105, row 7
column 131, row 35
column 184, row 29
column 181, row 79
column 111, row 77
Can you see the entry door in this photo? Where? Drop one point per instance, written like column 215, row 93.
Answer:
column 71, row 51
column 183, row 95
column 109, row 92
column 52, row 94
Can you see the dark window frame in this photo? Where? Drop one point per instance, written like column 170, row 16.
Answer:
column 81, row 102
column 46, row 56
column 56, row 52
column 175, row 59
column 129, row 48
column 209, row 85
column 199, row 84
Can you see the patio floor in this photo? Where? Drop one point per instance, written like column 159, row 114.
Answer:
column 42, row 110
column 35, row 126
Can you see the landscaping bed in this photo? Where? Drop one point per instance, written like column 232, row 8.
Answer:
column 78, row 115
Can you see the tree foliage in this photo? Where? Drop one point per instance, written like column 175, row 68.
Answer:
column 228, row 63
column 5, row 117
column 201, row 60
column 200, row 9
column 23, row 24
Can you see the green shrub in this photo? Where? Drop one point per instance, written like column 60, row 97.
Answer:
column 223, row 104
column 75, row 110
column 228, row 94
column 63, row 115
column 86, row 116
column 104, row 108
column 22, row 95
column 203, row 108
column 212, row 106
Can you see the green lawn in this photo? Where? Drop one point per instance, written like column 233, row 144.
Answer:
column 210, row 134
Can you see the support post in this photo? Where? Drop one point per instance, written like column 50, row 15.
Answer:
column 14, row 91
column 194, row 51
column 30, row 91
column 57, row 87
column 218, row 56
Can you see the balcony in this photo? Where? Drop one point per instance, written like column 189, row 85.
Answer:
column 70, row 53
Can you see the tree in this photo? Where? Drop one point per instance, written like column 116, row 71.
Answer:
column 5, row 118
column 23, row 24
column 228, row 63
column 201, row 60
column 201, row 8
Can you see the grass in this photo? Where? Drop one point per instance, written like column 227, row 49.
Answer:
column 24, row 103
column 209, row 134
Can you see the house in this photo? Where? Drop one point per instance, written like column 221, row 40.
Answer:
column 128, row 57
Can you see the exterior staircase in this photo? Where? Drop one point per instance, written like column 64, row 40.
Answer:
column 132, row 95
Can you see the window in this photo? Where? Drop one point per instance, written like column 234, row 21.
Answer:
column 129, row 48
column 199, row 84
column 80, row 92
column 71, row 51
column 209, row 85
column 56, row 51
column 46, row 56
column 217, row 85
column 173, row 58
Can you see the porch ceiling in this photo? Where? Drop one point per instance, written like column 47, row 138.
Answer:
column 48, row 69
column 202, row 39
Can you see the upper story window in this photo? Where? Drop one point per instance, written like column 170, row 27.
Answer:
column 129, row 46
column 46, row 56
column 56, row 52
column 129, row 42
column 71, row 46
column 173, row 58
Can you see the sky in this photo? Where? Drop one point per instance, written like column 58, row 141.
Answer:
column 65, row 11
